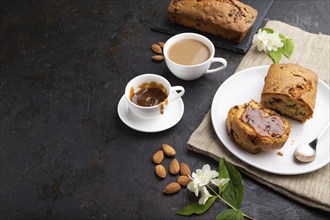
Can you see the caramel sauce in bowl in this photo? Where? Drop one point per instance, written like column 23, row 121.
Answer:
column 148, row 95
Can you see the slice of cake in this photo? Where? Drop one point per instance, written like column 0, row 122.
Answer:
column 290, row 89
column 256, row 129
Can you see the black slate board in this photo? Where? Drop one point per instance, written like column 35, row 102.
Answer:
column 164, row 25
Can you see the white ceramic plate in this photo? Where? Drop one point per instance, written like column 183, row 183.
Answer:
column 248, row 84
column 171, row 117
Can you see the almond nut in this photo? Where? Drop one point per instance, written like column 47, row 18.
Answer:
column 172, row 188
column 168, row 150
column 161, row 44
column 160, row 171
column 183, row 180
column 156, row 48
column 184, row 169
column 157, row 58
column 158, row 157
column 174, row 167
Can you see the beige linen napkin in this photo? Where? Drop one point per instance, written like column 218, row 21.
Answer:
column 313, row 189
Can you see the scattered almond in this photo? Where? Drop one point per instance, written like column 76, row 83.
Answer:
column 172, row 188
column 184, row 169
column 157, row 57
column 161, row 44
column 158, row 157
column 183, row 180
column 160, row 171
column 156, row 48
column 168, row 150
column 174, row 167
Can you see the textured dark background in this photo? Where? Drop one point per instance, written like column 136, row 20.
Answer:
column 65, row 154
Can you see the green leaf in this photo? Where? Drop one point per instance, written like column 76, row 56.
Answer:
column 230, row 214
column 196, row 208
column 275, row 55
column 281, row 36
column 223, row 173
column 233, row 193
column 268, row 30
column 288, row 47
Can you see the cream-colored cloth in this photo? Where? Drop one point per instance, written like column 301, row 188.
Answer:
column 313, row 189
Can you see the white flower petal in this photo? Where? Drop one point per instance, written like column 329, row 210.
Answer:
column 213, row 174
column 206, row 168
column 260, row 46
column 216, row 182
column 205, row 196
column 220, row 182
column 193, row 187
column 269, row 47
column 202, row 200
column 199, row 171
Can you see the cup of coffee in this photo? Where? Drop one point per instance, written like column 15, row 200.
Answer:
column 149, row 95
column 189, row 56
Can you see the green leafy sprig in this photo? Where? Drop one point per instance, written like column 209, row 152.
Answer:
column 286, row 50
column 231, row 194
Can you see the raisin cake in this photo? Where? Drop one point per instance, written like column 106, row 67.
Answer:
column 257, row 129
column 229, row 19
column 290, row 89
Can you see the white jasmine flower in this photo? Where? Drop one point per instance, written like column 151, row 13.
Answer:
column 267, row 41
column 203, row 177
column 205, row 195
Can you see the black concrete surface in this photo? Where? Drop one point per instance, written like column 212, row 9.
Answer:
column 65, row 154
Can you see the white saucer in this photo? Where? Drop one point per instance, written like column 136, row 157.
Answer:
column 165, row 121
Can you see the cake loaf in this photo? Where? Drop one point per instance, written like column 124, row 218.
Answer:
column 256, row 129
column 290, row 89
column 229, row 19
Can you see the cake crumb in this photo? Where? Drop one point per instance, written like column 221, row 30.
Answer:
column 280, row 153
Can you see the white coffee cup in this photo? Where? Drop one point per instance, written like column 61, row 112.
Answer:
column 191, row 72
column 151, row 112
